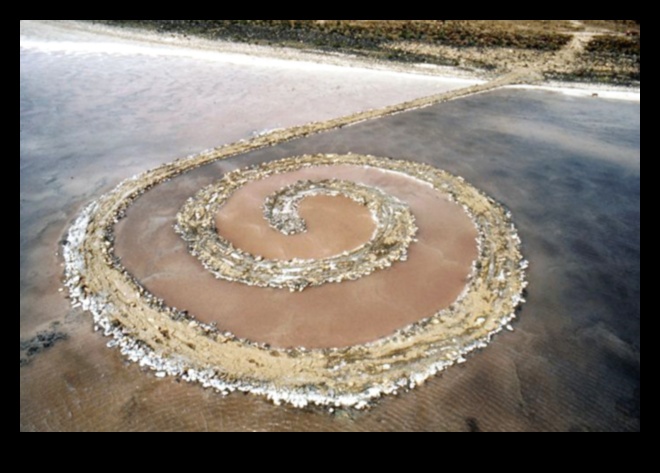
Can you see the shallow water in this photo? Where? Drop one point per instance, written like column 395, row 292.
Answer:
column 329, row 316
column 568, row 168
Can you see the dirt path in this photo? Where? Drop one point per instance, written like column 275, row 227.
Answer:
column 121, row 305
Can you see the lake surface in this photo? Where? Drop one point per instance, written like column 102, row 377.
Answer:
column 567, row 167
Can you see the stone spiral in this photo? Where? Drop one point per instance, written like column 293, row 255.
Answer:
column 173, row 342
column 395, row 230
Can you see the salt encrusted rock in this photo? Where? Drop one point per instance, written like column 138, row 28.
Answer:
column 350, row 377
column 395, row 231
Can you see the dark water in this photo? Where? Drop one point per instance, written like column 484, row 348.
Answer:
column 569, row 169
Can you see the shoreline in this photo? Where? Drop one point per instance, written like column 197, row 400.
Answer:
column 606, row 51
column 128, row 40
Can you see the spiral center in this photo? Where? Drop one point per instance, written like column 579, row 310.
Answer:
column 395, row 231
column 334, row 224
